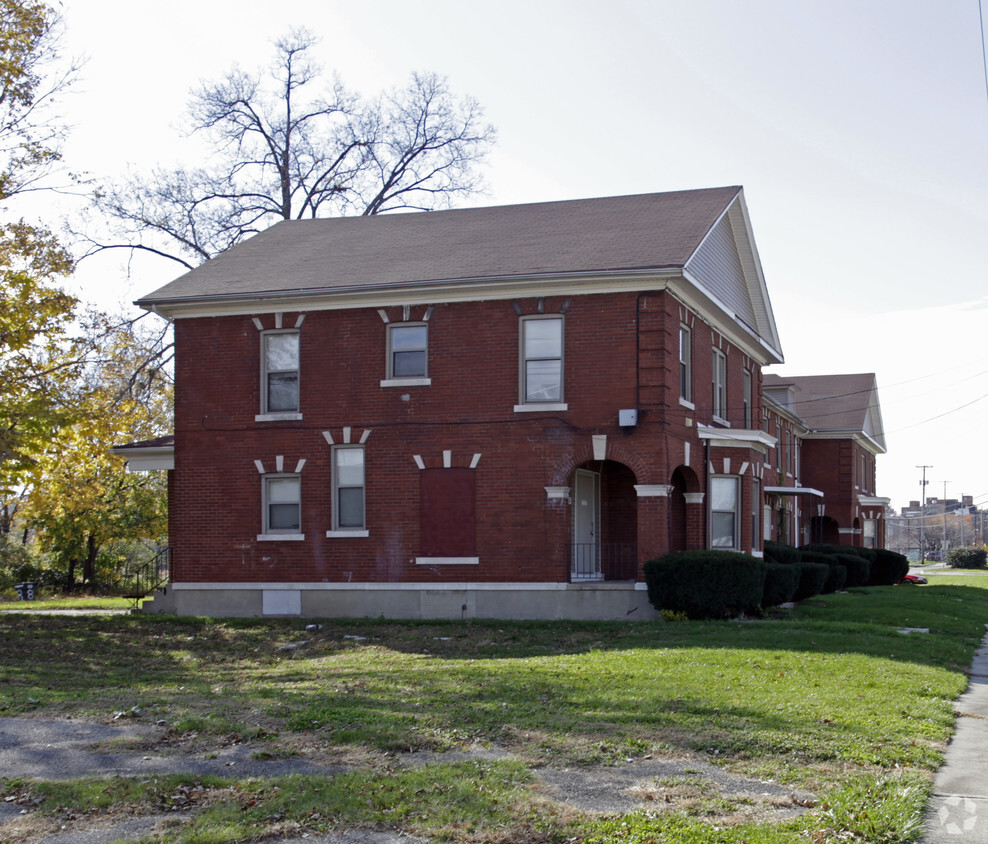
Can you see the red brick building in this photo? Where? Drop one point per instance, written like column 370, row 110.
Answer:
column 489, row 412
column 830, row 431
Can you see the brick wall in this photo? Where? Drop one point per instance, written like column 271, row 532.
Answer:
column 467, row 410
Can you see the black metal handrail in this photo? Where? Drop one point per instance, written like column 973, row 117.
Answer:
column 143, row 580
column 590, row 561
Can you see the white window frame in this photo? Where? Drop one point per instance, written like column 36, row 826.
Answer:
column 756, row 512
column 524, row 402
column 719, row 384
column 267, row 414
column 270, row 533
column 685, row 366
column 735, row 539
column 747, row 399
column 339, row 529
column 394, row 380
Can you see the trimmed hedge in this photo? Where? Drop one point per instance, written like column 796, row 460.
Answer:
column 858, row 569
column 837, row 573
column 781, row 582
column 888, row 568
column 966, row 558
column 826, row 548
column 706, row 584
column 777, row 552
column 812, row 578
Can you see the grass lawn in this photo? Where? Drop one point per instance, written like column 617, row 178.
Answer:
column 831, row 701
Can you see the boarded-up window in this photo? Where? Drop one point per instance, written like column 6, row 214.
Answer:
column 448, row 512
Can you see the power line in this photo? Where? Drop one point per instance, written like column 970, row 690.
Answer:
column 984, row 56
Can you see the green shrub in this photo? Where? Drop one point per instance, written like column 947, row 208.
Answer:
column 836, row 575
column 812, row 578
column 966, row 558
column 706, row 584
column 888, row 568
column 858, row 569
column 781, row 582
column 826, row 548
column 776, row 552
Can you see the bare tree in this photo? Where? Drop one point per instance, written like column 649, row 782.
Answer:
column 284, row 152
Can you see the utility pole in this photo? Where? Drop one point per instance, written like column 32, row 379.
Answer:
column 922, row 516
column 943, row 548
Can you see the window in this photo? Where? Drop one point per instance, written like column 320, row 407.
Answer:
column 348, row 488
column 408, row 350
column 747, row 399
column 685, row 364
column 279, row 375
column 541, row 359
column 282, row 505
column 720, row 384
column 724, row 512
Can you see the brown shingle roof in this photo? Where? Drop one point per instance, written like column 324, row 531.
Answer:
column 648, row 231
column 832, row 403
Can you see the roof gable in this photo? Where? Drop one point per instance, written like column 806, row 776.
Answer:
column 832, row 404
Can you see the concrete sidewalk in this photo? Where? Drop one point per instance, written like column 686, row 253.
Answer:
column 958, row 811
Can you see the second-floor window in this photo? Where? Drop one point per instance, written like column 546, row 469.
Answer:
column 747, row 398
column 685, row 364
column 279, row 376
column 541, row 359
column 719, row 384
column 408, row 346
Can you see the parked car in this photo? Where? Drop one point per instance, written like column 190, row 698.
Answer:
column 915, row 579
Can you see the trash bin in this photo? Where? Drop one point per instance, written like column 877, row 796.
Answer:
column 25, row 591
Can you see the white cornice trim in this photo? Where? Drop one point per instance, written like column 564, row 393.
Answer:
column 413, row 293
column 736, row 437
column 685, row 286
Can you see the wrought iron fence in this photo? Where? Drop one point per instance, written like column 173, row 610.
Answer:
column 591, row 561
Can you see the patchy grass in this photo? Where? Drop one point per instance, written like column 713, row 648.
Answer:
column 831, row 700
column 80, row 602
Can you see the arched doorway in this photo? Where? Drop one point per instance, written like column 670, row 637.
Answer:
column 605, row 522
column 683, row 480
column 824, row 529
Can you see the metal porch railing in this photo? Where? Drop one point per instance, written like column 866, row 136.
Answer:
column 143, row 580
column 590, row 561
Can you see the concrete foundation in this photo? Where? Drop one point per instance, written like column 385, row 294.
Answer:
column 518, row 601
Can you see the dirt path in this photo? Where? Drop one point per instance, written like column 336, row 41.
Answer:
column 68, row 749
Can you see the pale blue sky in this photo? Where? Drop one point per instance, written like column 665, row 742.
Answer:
column 859, row 129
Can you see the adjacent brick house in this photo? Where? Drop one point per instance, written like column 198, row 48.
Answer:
column 489, row 412
column 836, row 433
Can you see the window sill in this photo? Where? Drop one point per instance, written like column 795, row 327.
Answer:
column 536, row 407
column 407, row 382
column 278, row 417
column 722, row 422
column 447, row 561
column 340, row 534
column 687, row 404
column 280, row 537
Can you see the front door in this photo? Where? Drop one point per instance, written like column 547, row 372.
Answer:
column 586, row 526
